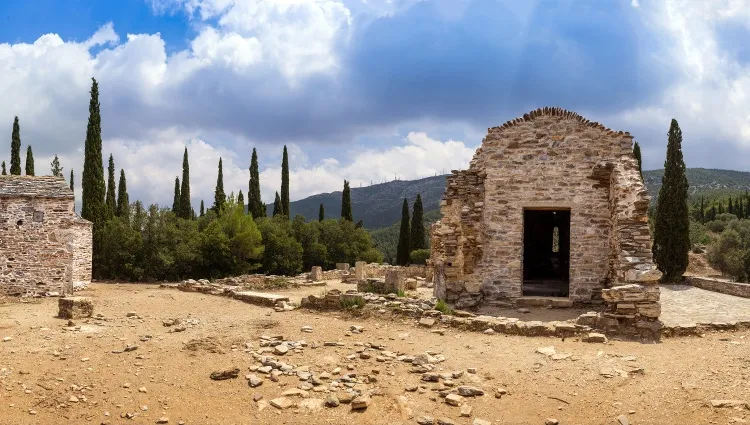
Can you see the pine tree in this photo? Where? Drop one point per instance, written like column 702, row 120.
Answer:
column 123, row 201
column 277, row 205
column 203, row 209
column 346, row 203
column 416, row 240
column 402, row 250
column 321, row 213
column 5, row 173
column 285, row 184
column 186, row 209
column 110, row 200
column 29, row 161
column 15, row 149
column 254, row 204
column 637, row 155
column 176, row 199
column 92, row 183
column 219, row 197
column 241, row 199
column 671, row 229
column 55, row 167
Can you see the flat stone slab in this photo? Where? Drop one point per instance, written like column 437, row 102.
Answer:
column 259, row 298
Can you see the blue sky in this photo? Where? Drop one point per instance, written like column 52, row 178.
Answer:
column 363, row 90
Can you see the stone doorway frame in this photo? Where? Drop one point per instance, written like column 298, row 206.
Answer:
column 567, row 281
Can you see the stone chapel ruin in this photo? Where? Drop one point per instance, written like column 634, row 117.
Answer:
column 45, row 247
column 552, row 205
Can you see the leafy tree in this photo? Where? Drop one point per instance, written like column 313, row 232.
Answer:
column 120, row 247
column 5, row 173
column 321, row 213
column 283, row 254
column 285, row 184
column 637, row 154
column 346, row 203
column 186, row 209
column 139, row 216
column 29, row 161
column 416, row 239
column 219, row 197
column 176, row 199
column 402, row 251
column 110, row 200
column 671, row 230
column 123, row 203
column 55, row 167
column 314, row 253
column 419, row 256
column 92, row 200
column 346, row 244
column 203, row 209
column 254, row 204
column 15, row 149
column 277, row 208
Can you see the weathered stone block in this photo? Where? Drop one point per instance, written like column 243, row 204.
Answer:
column 75, row 307
column 342, row 266
column 394, row 281
column 359, row 270
column 316, row 274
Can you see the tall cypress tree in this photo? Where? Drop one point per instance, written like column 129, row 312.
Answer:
column 29, row 161
column 92, row 183
column 203, row 209
column 402, row 250
column 5, row 173
column 176, row 199
column 55, row 167
column 111, row 201
column 72, row 185
column 254, row 204
column 219, row 196
column 15, row 149
column 285, row 183
column 321, row 213
column 637, row 155
column 416, row 240
column 671, row 229
column 277, row 205
column 123, row 201
column 241, row 199
column 346, row 203
column 186, row 209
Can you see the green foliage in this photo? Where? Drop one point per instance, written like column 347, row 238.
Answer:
column 443, row 307
column 402, row 250
column 277, row 208
column 698, row 234
column 419, row 256
column 123, row 202
column 671, row 229
column 716, row 226
column 283, row 253
column 185, row 209
column 203, row 209
column 72, row 185
column 351, row 302
column 254, row 204
column 92, row 183
column 241, row 199
column 110, row 202
column 386, row 239
column 637, row 155
column 285, row 184
column 29, row 161
column 416, row 239
column 321, row 213
column 15, row 149
column 55, row 167
column 176, row 197
column 219, row 196
column 346, row 203
column 120, row 248
column 401, row 293
column 5, row 172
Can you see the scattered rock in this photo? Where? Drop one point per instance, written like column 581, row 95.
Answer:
column 254, row 381
column 332, row 400
column 162, row 420
column 73, row 399
column 142, row 390
column 225, row 374
column 523, row 310
column 729, row 403
column 551, row 421
column 130, row 348
column 307, row 329
column 466, row 410
column 360, row 403
column 281, row 403
column 453, row 400
column 547, row 351
column 445, row 421
column 468, row 391
column 595, row 337
column 131, row 314
column 489, row 331
column 427, row 322
column 478, row 421
column 623, row 420
column 425, row 420
column 7, row 338
column 281, row 349
column 499, row 392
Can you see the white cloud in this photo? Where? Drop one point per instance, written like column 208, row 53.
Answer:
column 635, row 3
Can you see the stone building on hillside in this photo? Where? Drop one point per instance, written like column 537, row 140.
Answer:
column 552, row 205
column 45, row 247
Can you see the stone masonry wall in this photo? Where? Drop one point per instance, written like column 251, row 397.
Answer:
column 550, row 158
column 44, row 245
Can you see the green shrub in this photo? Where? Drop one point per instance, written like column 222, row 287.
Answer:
column 698, row 235
column 351, row 302
column 716, row 226
column 443, row 307
column 419, row 256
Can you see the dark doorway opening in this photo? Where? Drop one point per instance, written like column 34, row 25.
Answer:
column 546, row 252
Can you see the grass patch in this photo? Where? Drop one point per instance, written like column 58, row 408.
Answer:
column 443, row 307
column 351, row 302
column 401, row 294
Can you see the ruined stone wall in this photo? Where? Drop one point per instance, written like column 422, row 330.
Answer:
column 44, row 246
column 550, row 158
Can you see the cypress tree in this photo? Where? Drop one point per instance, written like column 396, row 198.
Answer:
column 55, row 167
column 186, row 209
column 321, row 213
column 176, row 199
column 110, row 200
column 254, row 204
column 5, row 173
column 92, row 183
column 219, row 196
column 123, row 201
column 203, row 209
column 637, row 155
column 416, row 240
column 29, row 161
column 276, row 205
column 402, row 250
column 72, row 186
column 285, row 184
column 241, row 199
column 265, row 210
column 346, row 203
column 15, row 149
column 671, row 229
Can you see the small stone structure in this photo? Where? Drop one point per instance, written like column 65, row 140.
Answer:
column 45, row 247
column 551, row 202
column 75, row 307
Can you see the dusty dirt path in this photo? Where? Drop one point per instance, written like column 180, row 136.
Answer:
column 43, row 366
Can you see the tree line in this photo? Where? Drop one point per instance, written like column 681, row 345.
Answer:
column 15, row 157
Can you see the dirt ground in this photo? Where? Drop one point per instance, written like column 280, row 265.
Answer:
column 54, row 374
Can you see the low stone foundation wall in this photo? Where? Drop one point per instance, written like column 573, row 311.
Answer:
column 631, row 310
column 411, row 271
column 730, row 288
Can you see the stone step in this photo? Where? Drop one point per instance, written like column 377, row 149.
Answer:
column 556, row 302
column 259, row 298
